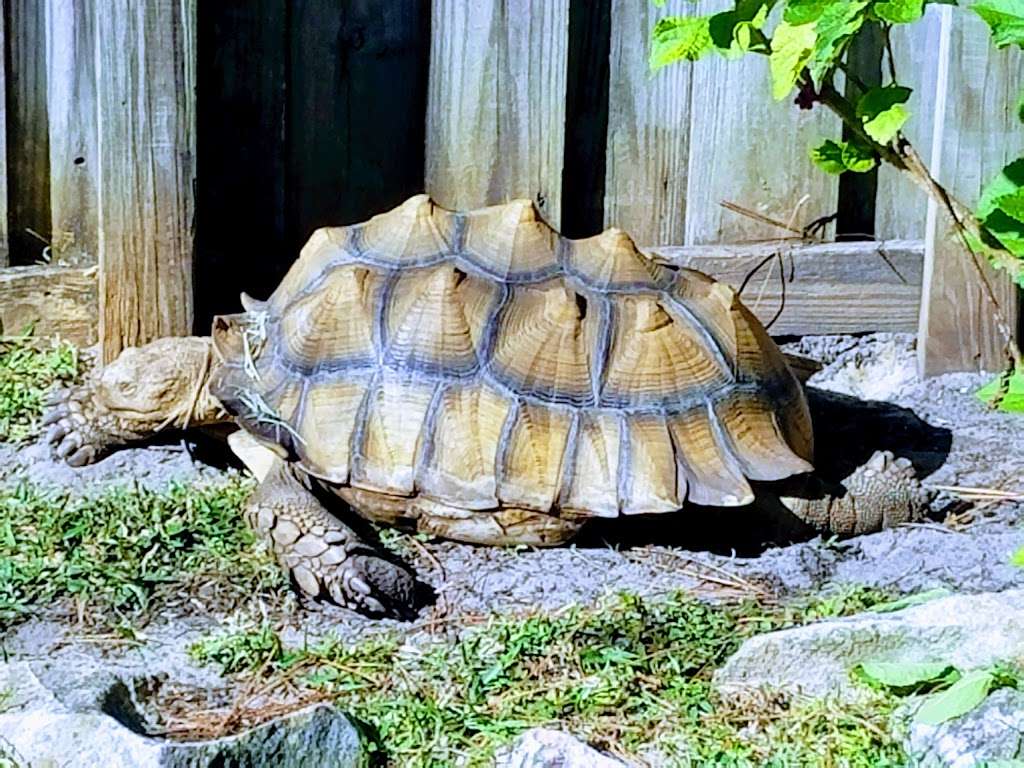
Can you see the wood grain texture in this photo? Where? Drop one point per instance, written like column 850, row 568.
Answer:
column 53, row 300
column 146, row 142
column 849, row 287
column 648, row 132
column 496, row 103
column 901, row 207
column 753, row 151
column 28, row 156
column 3, row 146
column 977, row 132
column 71, row 107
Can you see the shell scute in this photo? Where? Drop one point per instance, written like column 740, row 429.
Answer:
column 612, row 262
column 532, row 465
column 460, row 465
column 436, row 320
column 545, row 342
column 658, row 357
column 592, row 484
column 332, row 327
column 510, row 242
column 416, row 232
column 652, row 479
column 713, row 475
column 326, row 423
column 392, row 434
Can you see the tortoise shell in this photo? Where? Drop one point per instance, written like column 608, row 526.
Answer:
column 482, row 361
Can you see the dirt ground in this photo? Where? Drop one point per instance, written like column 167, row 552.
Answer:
column 866, row 398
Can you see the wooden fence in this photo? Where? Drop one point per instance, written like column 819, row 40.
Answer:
column 164, row 156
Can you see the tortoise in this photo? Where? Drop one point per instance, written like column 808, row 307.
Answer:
column 477, row 377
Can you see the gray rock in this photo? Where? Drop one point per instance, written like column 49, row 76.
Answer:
column 546, row 748
column 993, row 731
column 968, row 631
column 40, row 731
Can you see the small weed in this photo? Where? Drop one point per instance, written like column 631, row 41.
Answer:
column 28, row 368
column 239, row 651
column 632, row 677
column 116, row 552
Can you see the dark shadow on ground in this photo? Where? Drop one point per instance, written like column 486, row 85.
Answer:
column 847, row 431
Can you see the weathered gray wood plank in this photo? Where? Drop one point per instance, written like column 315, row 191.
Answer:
column 71, row 100
column 901, row 208
column 496, row 103
column 848, row 287
column 977, row 132
column 648, row 132
column 28, row 156
column 146, row 141
column 753, row 151
column 52, row 300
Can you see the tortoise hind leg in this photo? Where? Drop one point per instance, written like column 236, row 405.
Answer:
column 882, row 493
column 326, row 559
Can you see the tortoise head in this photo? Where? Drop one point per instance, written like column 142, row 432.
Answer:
column 160, row 382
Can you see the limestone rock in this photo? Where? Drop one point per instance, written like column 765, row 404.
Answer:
column 992, row 732
column 968, row 631
column 37, row 730
column 546, row 748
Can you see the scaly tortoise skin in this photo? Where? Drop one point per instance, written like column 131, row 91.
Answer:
column 478, row 377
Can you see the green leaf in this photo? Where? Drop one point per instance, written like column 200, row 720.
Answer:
column 1009, row 181
column 739, row 30
column 829, row 157
column 1006, row 20
column 899, row 11
column 841, row 156
column 1012, row 402
column 837, row 24
column 1017, row 558
column 906, row 675
column 1020, row 107
column 959, row 699
column 883, row 113
column 858, row 158
column 679, row 37
column 910, row 600
column 805, row 11
column 791, row 50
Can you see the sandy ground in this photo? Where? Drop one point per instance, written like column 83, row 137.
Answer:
column 866, row 398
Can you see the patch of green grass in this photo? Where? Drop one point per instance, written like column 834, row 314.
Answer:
column 28, row 368
column 118, row 552
column 632, row 677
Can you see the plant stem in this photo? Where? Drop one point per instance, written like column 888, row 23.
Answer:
column 901, row 155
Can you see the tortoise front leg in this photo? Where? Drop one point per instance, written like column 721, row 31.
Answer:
column 326, row 559
column 164, row 384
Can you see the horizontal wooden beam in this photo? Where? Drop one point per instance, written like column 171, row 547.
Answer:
column 848, row 287
column 54, row 300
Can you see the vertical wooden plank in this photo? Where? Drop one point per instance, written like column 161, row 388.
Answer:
column 146, row 143
column 71, row 106
column 3, row 143
column 28, row 154
column 356, row 109
column 976, row 133
column 648, row 132
column 901, row 208
column 496, row 104
column 242, row 241
column 751, row 150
